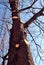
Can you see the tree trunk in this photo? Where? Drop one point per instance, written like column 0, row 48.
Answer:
column 18, row 49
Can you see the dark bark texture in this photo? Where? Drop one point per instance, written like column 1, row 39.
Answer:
column 18, row 49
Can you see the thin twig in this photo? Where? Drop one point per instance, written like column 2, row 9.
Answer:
column 37, row 45
column 38, row 26
column 33, row 18
column 27, row 7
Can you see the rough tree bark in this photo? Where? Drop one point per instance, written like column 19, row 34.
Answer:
column 18, row 49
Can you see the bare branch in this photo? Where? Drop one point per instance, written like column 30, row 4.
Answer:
column 4, row 58
column 38, row 26
column 40, row 21
column 37, row 45
column 28, row 7
column 36, row 7
column 33, row 18
column 4, row 4
column 31, row 36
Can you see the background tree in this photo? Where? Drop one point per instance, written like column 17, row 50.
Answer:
column 33, row 13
